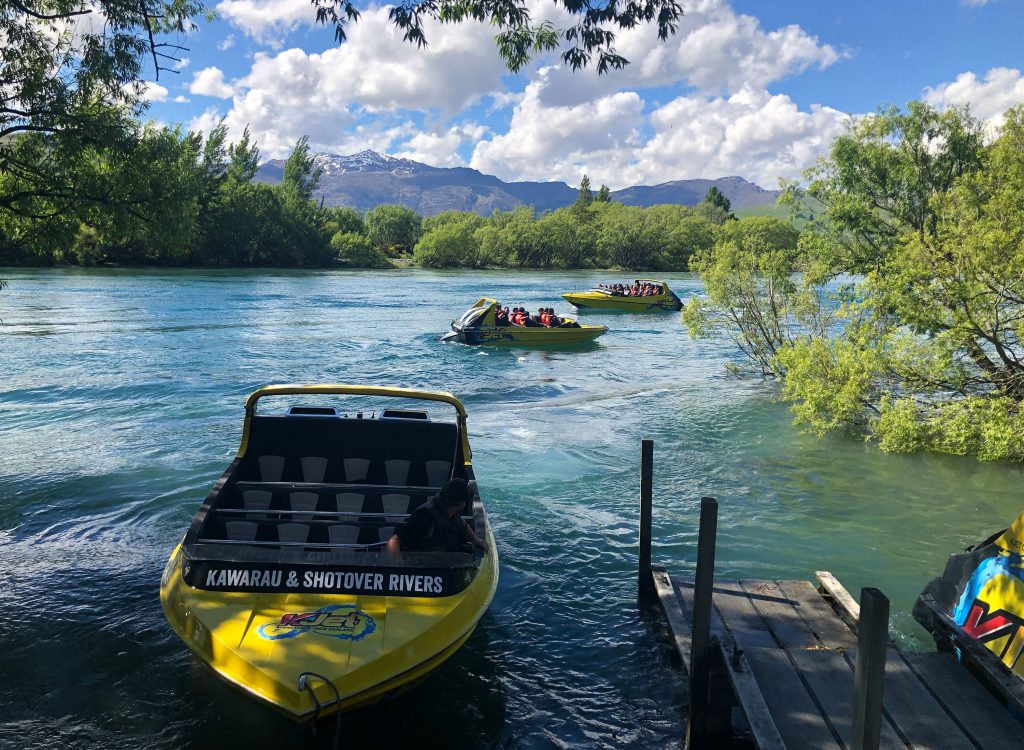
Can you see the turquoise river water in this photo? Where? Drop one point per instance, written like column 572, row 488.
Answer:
column 121, row 401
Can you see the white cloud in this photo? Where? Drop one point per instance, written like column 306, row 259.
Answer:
column 988, row 98
column 714, row 50
column 147, row 91
column 182, row 63
column 752, row 133
column 267, row 21
column 546, row 142
column 373, row 80
column 226, row 43
column 181, row 99
column 441, row 149
column 210, row 82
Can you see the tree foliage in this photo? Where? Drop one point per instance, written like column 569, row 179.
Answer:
column 906, row 319
column 519, row 38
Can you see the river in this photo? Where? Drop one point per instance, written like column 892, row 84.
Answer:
column 122, row 400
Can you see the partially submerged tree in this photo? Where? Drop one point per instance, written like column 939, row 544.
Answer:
column 916, row 266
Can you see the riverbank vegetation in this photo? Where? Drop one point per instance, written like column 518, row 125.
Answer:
column 899, row 313
column 185, row 199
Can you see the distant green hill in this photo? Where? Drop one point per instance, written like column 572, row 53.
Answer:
column 779, row 212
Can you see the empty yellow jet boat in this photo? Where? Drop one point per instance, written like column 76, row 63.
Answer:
column 283, row 583
column 617, row 297
column 478, row 325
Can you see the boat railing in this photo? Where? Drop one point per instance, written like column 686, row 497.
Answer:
column 303, row 545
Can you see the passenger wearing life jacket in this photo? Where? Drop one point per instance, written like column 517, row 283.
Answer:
column 501, row 316
column 545, row 317
column 437, row 526
column 518, row 317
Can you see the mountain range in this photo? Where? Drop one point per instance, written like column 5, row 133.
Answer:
column 368, row 179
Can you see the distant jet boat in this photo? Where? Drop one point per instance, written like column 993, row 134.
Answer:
column 480, row 325
column 618, row 297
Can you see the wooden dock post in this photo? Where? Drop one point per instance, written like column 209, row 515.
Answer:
column 646, row 583
column 697, row 734
column 869, row 675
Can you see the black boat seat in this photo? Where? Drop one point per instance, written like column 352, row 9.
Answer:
column 350, row 502
column 302, row 500
column 313, row 468
column 271, row 468
column 343, row 533
column 241, row 531
column 293, row 532
column 356, row 469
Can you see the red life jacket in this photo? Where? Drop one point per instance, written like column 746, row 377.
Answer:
column 545, row 319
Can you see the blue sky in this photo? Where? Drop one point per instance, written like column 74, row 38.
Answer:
column 746, row 87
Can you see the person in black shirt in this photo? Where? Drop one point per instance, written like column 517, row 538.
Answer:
column 437, row 526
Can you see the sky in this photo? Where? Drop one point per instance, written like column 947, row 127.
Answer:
column 754, row 88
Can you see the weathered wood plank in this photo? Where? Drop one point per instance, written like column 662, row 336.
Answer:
column 800, row 724
column 751, row 698
column 993, row 672
column 740, row 617
column 821, row 619
column 975, row 709
column 672, row 607
column 914, row 711
column 684, row 587
column 845, row 604
column 830, row 678
column 778, row 611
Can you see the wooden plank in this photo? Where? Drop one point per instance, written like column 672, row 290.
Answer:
column 830, row 679
column 799, row 721
column 975, row 709
column 750, row 697
column 740, row 617
column 778, row 611
column 684, row 587
column 869, row 674
column 845, row 604
column 819, row 615
column 992, row 671
column 672, row 607
column 915, row 712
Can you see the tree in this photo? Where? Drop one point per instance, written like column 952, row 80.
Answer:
column 71, row 75
column 393, row 228
column 346, row 220
column 354, row 250
column 519, row 37
column 604, row 195
column 301, row 177
column 449, row 243
column 715, row 207
column 914, row 270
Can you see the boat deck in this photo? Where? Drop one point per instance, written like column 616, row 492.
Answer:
column 789, row 658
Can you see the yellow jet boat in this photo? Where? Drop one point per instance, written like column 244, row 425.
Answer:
column 608, row 297
column 283, row 583
column 478, row 325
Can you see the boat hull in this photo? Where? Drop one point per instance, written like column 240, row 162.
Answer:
column 392, row 642
column 523, row 336
column 599, row 301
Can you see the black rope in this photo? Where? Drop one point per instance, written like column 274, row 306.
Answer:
column 304, row 684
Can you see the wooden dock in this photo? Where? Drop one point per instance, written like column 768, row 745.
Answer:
column 807, row 666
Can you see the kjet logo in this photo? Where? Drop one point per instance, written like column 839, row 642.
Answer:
column 342, row 621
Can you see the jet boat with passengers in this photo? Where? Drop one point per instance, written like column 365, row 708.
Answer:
column 618, row 297
column 480, row 325
column 283, row 583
